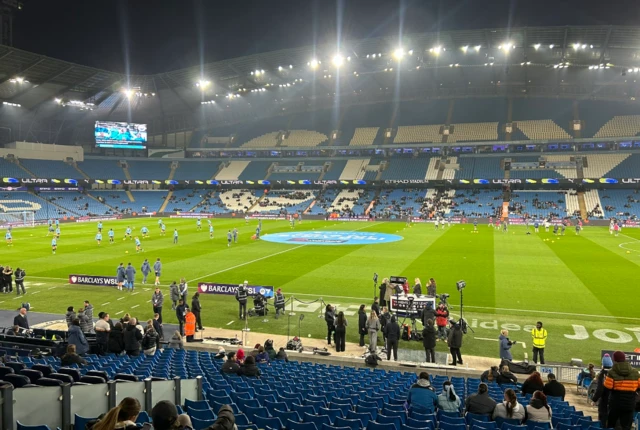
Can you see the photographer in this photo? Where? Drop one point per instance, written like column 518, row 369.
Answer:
column 330, row 319
column 505, row 346
column 442, row 317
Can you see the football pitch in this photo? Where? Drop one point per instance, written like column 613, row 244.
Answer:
column 583, row 288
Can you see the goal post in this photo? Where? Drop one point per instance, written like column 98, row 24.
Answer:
column 18, row 219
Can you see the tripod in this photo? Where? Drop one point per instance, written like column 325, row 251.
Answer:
column 463, row 324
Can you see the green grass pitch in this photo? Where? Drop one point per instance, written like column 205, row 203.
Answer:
column 584, row 288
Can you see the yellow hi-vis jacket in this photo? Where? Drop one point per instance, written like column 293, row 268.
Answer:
column 539, row 337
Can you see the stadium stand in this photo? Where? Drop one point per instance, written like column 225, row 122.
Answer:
column 345, row 201
column 364, row 136
column 15, row 203
column 50, row 169
column 599, row 165
column 596, row 113
column 147, row 201
column 267, row 140
column 620, row 126
column 448, row 166
column 146, row 170
column 354, row 169
column 573, row 203
column 483, row 167
column 406, row 168
column 184, row 200
column 12, row 170
column 361, row 206
column 394, row 204
column 593, row 204
column 289, row 201
column 304, row 138
column 475, row 132
column 627, row 168
column 620, row 203
column 538, row 204
column 232, row 170
column 196, row 170
column 238, row 200
column 256, row 170
column 542, row 129
column 101, row 169
column 77, row 203
column 322, row 204
column 418, row 134
column 334, row 172
column 476, row 203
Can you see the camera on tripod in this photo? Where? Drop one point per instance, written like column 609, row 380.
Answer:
column 443, row 298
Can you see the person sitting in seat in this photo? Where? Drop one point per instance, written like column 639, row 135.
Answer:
column 506, row 377
column 230, row 365
column 422, row 396
column 509, row 408
column 122, row 417
column 481, row 403
column 72, row 358
column 490, row 375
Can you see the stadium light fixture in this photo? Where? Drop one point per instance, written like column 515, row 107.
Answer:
column 477, row 48
column 290, row 66
column 576, row 46
column 11, row 104
column 465, row 48
column 410, row 51
column 313, row 64
column 551, row 46
column 436, row 51
column 128, row 92
column 338, row 60
column 280, row 68
column 536, row 46
column 203, row 84
column 398, row 53
column 57, row 100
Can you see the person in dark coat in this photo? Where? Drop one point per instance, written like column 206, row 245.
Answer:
column 341, row 332
column 505, row 346
column 330, row 319
column 601, row 396
column 72, row 358
column 196, row 308
column 76, row 337
column 553, row 388
column 383, row 291
column 21, row 319
column 230, row 366
column 392, row 330
column 132, row 338
column 506, row 376
column 622, row 383
column 181, row 312
column 375, row 306
column 70, row 316
column 491, row 375
column 534, row 383
column 429, row 341
column 116, row 339
column 455, row 343
column 428, row 313
column 480, row 403
column 249, row 368
column 362, row 324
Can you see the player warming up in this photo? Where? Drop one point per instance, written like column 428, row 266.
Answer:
column 229, row 238
column 210, row 230
column 145, row 232
column 99, row 238
column 8, row 238
column 99, row 226
column 198, row 224
column 235, row 235
column 175, row 236
column 163, row 229
column 112, row 236
column 54, row 245
column 138, row 244
column 127, row 233
column 157, row 268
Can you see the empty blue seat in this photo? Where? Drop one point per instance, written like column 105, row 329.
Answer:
column 373, row 425
column 196, row 404
column 80, row 423
column 372, row 410
column 531, row 425
column 510, row 426
column 318, row 420
column 564, row 426
column 143, row 417
column 363, row 417
column 269, row 423
column 201, row 424
column 242, row 420
column 422, row 424
column 449, row 426
column 38, row 427
column 286, row 416
column 295, row 425
column 251, row 413
column 327, row 427
column 352, row 424
column 201, row 414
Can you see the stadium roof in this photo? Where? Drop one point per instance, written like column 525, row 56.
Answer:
column 33, row 80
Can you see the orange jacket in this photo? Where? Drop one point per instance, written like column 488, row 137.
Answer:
column 189, row 324
column 622, row 377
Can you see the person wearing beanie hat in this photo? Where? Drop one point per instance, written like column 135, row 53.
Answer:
column 607, row 363
column 601, row 394
column 164, row 416
column 240, row 356
column 279, row 302
column 622, row 381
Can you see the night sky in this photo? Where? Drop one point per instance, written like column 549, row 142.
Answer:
column 163, row 35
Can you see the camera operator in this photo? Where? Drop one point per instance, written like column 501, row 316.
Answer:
column 505, row 346
column 241, row 296
column 455, row 342
column 442, row 317
column 330, row 319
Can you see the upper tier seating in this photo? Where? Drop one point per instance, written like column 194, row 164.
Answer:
column 485, row 167
column 418, row 134
column 620, row 203
column 256, row 170
column 232, row 171
column 620, row 126
column 101, row 169
column 628, row 168
column 12, row 170
column 475, row 132
column 558, row 112
column 50, row 168
column 599, row 165
column 196, row 170
column 406, row 168
column 267, row 140
column 334, row 172
column 304, row 138
column 145, row 170
column 596, row 113
column 364, row 136
column 542, row 129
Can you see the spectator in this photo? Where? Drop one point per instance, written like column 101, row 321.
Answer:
column 268, row 347
column 76, row 337
column 506, row 377
column 88, row 310
column 509, row 408
column 362, row 324
column 116, row 339
column 417, row 287
column 72, row 358
column 330, row 319
column 428, row 313
column 490, row 375
column 373, row 326
column 132, row 338
column 431, row 287
column 601, row 396
column 538, row 410
column 532, row 384
column 392, row 333
column 587, row 373
column 196, row 308
column 86, row 325
column 21, row 319
column 240, row 356
column 20, row 275
column 249, row 368
column 341, row 332
column 263, row 356
column 448, row 400
column 157, row 325
column 15, row 331
column 480, row 402
column 157, row 300
column 282, row 355
column 164, row 416
column 505, row 346
column 230, row 365
column 150, row 340
column 122, row 416
column 422, row 396
column 174, row 294
column 176, row 341
column 102, row 332
column 553, row 388
column 622, row 381
column 70, row 316
column 429, row 340
column 442, row 317
column 181, row 311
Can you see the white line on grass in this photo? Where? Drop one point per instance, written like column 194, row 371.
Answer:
column 133, row 294
column 105, row 304
column 121, row 298
column 271, row 255
column 148, row 301
column 133, row 307
column 230, row 322
column 52, row 288
column 486, row 338
column 2, row 301
column 119, row 312
column 36, row 292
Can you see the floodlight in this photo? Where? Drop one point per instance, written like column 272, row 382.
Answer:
column 203, row 83
column 536, row 46
column 127, row 92
column 398, row 53
column 313, row 63
column 411, row 52
column 576, row 46
column 477, row 48
column 280, row 68
column 338, row 60
column 19, row 80
column 60, row 100
column 551, row 46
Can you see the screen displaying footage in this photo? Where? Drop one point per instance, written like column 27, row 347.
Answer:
column 120, row 134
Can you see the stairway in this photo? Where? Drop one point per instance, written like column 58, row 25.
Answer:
column 84, row 175
column 102, row 203
column 128, row 176
column 256, row 203
column 17, row 163
column 166, row 202
column 583, row 205
column 172, row 173
column 130, row 195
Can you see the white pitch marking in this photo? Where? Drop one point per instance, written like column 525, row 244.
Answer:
column 105, row 304
column 269, row 256
column 37, row 284
column 133, row 294
column 148, row 301
column 486, row 338
column 121, row 298
column 36, row 292
column 133, row 307
column 230, row 322
column 119, row 312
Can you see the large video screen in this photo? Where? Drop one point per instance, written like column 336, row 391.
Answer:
column 120, row 135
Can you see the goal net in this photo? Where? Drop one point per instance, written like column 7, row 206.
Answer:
column 17, row 219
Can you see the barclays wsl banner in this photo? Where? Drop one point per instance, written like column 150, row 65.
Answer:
column 101, row 281
column 231, row 289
